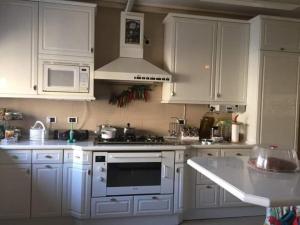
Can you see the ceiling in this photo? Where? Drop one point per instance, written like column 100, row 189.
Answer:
column 289, row 8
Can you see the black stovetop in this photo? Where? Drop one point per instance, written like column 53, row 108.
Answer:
column 145, row 139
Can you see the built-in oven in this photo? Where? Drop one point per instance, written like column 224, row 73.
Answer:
column 65, row 77
column 130, row 173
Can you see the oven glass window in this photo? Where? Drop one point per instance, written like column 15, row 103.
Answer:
column 133, row 174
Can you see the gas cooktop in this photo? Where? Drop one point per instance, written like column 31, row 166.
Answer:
column 142, row 140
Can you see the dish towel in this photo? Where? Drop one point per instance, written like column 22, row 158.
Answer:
column 283, row 216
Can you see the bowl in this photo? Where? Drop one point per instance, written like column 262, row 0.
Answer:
column 274, row 159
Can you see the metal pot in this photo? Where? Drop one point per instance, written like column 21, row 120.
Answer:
column 108, row 133
column 128, row 131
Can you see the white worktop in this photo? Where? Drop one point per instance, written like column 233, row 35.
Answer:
column 249, row 185
column 85, row 146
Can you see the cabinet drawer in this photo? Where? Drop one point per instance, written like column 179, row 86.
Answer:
column 207, row 196
column 112, row 207
column 15, row 156
column 153, row 205
column 82, row 157
column 201, row 179
column 47, row 156
column 68, row 156
column 235, row 152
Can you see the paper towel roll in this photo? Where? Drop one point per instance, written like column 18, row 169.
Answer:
column 235, row 132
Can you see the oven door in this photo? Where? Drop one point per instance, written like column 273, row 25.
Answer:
column 60, row 77
column 133, row 173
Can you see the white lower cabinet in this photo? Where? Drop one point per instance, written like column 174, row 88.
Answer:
column 15, row 191
column 46, row 190
column 207, row 196
column 178, row 188
column 118, row 206
column 153, row 205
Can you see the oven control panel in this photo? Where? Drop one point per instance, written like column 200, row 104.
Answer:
column 99, row 174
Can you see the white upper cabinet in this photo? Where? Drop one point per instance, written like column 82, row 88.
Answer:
column 66, row 29
column 208, row 59
column 194, row 57
column 279, row 109
column 18, row 48
column 280, row 35
column 232, row 62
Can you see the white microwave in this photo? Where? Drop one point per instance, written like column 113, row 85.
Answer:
column 66, row 77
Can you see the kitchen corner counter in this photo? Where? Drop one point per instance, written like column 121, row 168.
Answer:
column 222, row 146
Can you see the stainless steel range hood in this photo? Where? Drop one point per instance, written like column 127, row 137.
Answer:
column 130, row 66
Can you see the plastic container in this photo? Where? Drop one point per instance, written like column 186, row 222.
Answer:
column 274, row 159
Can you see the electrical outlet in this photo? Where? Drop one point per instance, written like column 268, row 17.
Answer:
column 181, row 121
column 51, row 119
column 72, row 119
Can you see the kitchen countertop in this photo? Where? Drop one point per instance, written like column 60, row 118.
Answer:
column 250, row 185
column 90, row 146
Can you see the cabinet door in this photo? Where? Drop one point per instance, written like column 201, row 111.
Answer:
column 66, row 29
column 280, row 35
column 279, row 106
column 46, row 190
column 227, row 199
column 178, row 188
column 194, row 61
column 201, row 179
column 67, row 191
column 15, row 191
column 232, row 62
column 79, row 201
column 18, row 55
column 207, row 196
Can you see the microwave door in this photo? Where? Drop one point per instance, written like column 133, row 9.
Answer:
column 61, row 78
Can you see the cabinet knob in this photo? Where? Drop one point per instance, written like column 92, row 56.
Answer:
column 219, row 95
column 177, row 170
column 48, row 167
column 89, row 172
column 209, row 154
column 28, row 171
column 173, row 93
column 15, row 157
column 209, row 187
column 92, row 50
column 113, row 200
column 48, row 156
column 282, row 49
column 238, row 154
column 155, row 198
column 35, row 87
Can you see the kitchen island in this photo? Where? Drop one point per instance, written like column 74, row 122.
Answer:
column 250, row 185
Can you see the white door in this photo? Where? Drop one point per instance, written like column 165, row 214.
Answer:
column 18, row 47
column 280, row 35
column 79, row 202
column 15, row 191
column 207, row 196
column 195, row 44
column 66, row 29
column 178, row 188
column 67, row 191
column 279, row 108
column 232, row 62
column 46, row 190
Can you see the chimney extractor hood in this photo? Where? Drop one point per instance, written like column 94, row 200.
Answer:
column 130, row 66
